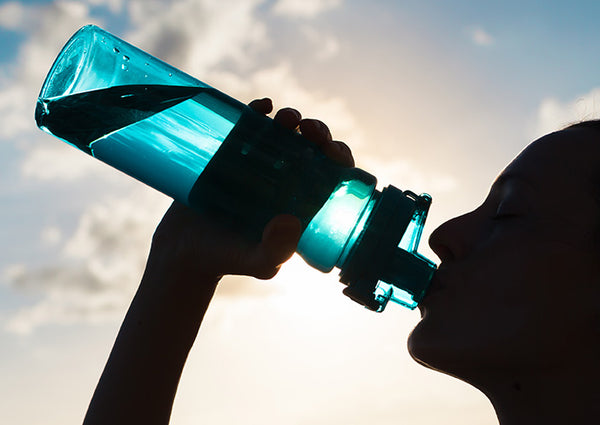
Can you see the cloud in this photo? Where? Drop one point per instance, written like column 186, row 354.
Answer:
column 47, row 26
column 553, row 114
column 59, row 162
column 197, row 35
column 305, row 8
column 115, row 6
column 280, row 83
column 402, row 171
column 13, row 15
column 98, row 266
column 326, row 45
column 51, row 235
column 75, row 305
column 18, row 16
column 480, row 37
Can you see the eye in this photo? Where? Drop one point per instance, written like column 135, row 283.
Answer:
column 507, row 209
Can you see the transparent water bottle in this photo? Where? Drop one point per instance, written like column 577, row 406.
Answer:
column 219, row 157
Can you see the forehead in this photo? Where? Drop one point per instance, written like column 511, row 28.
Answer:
column 558, row 178
column 564, row 160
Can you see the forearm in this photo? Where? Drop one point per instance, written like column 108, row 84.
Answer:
column 140, row 379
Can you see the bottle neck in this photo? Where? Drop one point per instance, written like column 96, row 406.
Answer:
column 377, row 269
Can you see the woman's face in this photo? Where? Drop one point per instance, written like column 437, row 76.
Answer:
column 519, row 279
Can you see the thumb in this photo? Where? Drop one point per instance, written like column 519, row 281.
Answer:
column 279, row 242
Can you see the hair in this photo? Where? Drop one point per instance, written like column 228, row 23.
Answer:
column 595, row 180
column 591, row 124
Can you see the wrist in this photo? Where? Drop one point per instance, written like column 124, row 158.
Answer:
column 177, row 288
column 179, row 267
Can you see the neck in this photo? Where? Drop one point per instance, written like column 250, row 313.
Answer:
column 560, row 396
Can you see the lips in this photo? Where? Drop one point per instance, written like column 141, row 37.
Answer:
column 436, row 284
column 436, row 287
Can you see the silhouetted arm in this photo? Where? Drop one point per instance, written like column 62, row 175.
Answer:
column 140, row 379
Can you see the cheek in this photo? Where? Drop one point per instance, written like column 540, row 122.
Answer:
column 486, row 310
column 510, row 306
column 448, row 337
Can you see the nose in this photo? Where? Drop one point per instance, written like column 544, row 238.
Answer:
column 450, row 240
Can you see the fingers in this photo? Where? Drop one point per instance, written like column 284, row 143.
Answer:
column 288, row 117
column 339, row 152
column 314, row 130
column 262, row 106
column 317, row 132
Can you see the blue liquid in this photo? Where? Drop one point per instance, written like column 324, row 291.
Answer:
column 167, row 150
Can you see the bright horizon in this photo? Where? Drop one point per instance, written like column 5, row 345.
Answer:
column 431, row 96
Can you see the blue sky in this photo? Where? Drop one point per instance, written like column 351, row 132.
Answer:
column 433, row 96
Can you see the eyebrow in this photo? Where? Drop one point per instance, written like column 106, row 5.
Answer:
column 505, row 178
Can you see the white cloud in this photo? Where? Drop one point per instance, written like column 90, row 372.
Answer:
column 480, row 36
column 16, row 115
column 408, row 175
column 326, row 45
column 48, row 27
column 57, row 161
column 18, row 16
column 67, row 307
column 283, row 87
column 305, row 8
column 13, row 15
column 14, row 271
column 100, row 264
column 553, row 114
column 51, row 235
column 197, row 35
column 115, row 6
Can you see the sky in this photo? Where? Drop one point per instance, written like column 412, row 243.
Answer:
column 432, row 96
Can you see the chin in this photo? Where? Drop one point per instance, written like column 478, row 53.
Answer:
column 435, row 348
column 460, row 355
column 420, row 346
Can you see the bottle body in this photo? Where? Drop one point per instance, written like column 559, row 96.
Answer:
column 204, row 148
column 216, row 155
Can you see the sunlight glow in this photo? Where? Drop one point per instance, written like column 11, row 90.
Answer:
column 334, row 229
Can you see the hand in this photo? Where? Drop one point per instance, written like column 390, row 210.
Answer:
column 194, row 247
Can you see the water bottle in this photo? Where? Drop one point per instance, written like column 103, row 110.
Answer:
column 215, row 154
